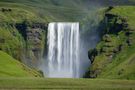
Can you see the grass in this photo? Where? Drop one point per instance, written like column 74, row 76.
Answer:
column 126, row 12
column 65, row 84
column 47, row 9
column 11, row 41
column 123, row 65
column 59, row 10
column 18, row 15
column 9, row 67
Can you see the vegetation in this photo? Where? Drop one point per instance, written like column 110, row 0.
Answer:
column 116, row 50
column 15, row 24
column 22, row 22
column 64, row 84
column 49, row 10
column 9, row 67
column 11, row 43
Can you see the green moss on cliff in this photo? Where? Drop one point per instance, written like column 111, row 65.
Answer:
column 22, row 33
column 116, row 50
column 11, row 41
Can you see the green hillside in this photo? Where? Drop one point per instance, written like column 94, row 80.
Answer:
column 9, row 67
column 50, row 10
column 62, row 10
column 114, row 56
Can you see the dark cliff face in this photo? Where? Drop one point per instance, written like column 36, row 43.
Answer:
column 34, row 36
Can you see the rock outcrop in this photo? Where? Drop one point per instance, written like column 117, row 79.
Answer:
column 29, row 40
column 34, row 36
column 117, row 36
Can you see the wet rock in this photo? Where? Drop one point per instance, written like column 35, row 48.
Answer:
column 92, row 54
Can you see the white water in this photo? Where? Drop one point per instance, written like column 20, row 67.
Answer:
column 63, row 50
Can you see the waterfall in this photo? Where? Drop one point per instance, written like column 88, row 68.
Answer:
column 63, row 50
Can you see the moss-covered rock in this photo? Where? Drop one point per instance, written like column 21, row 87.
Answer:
column 22, row 35
column 91, row 54
column 114, row 49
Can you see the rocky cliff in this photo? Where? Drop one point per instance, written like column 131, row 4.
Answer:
column 22, row 35
column 113, row 57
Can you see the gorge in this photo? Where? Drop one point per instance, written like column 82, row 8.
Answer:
column 61, row 41
column 67, row 44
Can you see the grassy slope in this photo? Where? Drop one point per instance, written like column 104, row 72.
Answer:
column 12, row 42
column 126, row 59
column 65, row 84
column 61, row 10
column 9, row 67
column 17, row 15
column 50, row 10
column 122, row 65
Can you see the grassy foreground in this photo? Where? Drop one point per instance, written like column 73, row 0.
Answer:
column 62, row 84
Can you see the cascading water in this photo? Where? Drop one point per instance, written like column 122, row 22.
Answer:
column 63, row 50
